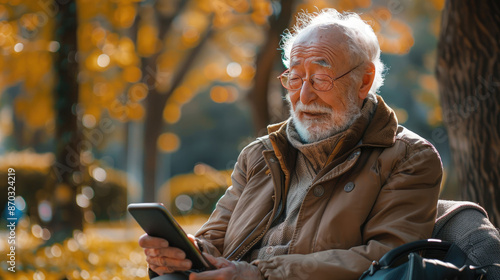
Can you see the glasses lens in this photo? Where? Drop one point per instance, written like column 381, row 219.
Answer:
column 322, row 82
column 291, row 81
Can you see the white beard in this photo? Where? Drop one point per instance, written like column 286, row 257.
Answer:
column 313, row 130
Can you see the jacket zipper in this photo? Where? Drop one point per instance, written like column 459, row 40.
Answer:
column 245, row 250
column 248, row 236
column 257, row 239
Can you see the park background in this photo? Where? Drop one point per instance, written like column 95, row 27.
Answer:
column 104, row 103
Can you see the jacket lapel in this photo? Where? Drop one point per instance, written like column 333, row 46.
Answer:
column 377, row 130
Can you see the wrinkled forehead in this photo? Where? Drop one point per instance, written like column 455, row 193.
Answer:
column 327, row 33
column 325, row 40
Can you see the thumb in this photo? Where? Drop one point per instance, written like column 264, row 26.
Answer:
column 217, row 262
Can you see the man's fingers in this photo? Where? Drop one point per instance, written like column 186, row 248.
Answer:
column 160, row 270
column 217, row 262
column 224, row 273
column 173, row 264
column 169, row 252
column 210, row 258
column 146, row 241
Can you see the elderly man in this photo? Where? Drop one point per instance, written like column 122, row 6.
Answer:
column 329, row 190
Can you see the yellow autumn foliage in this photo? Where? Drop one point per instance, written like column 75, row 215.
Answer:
column 182, row 95
column 204, row 179
column 168, row 142
column 147, row 40
column 124, row 15
column 172, row 113
column 102, row 251
column 114, row 37
column 137, row 92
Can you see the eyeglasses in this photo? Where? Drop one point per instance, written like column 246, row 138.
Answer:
column 320, row 82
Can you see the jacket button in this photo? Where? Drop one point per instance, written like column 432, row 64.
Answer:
column 318, row 191
column 269, row 250
column 349, row 187
column 272, row 160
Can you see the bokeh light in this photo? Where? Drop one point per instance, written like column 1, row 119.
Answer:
column 103, row 60
column 82, row 201
column 45, row 211
column 20, row 203
column 89, row 121
column 168, row 142
column 99, row 174
column 184, row 202
column 172, row 113
column 223, row 94
column 137, row 92
column 88, row 192
column 233, row 69
column 54, row 46
column 19, row 47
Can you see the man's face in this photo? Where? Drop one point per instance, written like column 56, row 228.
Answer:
column 320, row 114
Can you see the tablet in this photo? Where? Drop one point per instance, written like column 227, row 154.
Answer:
column 157, row 221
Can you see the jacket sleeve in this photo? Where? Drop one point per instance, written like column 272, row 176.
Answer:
column 404, row 211
column 211, row 235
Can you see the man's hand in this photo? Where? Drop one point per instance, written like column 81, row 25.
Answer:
column 161, row 257
column 227, row 270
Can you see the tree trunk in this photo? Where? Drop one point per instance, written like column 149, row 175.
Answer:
column 156, row 101
column 264, row 67
column 67, row 215
column 153, row 120
column 155, row 104
column 468, row 72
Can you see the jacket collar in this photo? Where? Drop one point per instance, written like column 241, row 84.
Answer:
column 379, row 131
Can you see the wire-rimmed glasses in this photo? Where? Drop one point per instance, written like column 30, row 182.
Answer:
column 320, row 82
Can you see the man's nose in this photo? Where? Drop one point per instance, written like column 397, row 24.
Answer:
column 307, row 93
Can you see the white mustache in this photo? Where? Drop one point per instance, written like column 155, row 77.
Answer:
column 314, row 108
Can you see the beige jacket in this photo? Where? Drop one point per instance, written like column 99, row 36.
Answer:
column 379, row 191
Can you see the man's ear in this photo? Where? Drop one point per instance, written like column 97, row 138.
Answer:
column 367, row 80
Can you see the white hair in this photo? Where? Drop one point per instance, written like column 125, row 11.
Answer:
column 362, row 43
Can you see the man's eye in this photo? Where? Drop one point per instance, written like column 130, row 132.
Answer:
column 321, row 79
column 295, row 81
